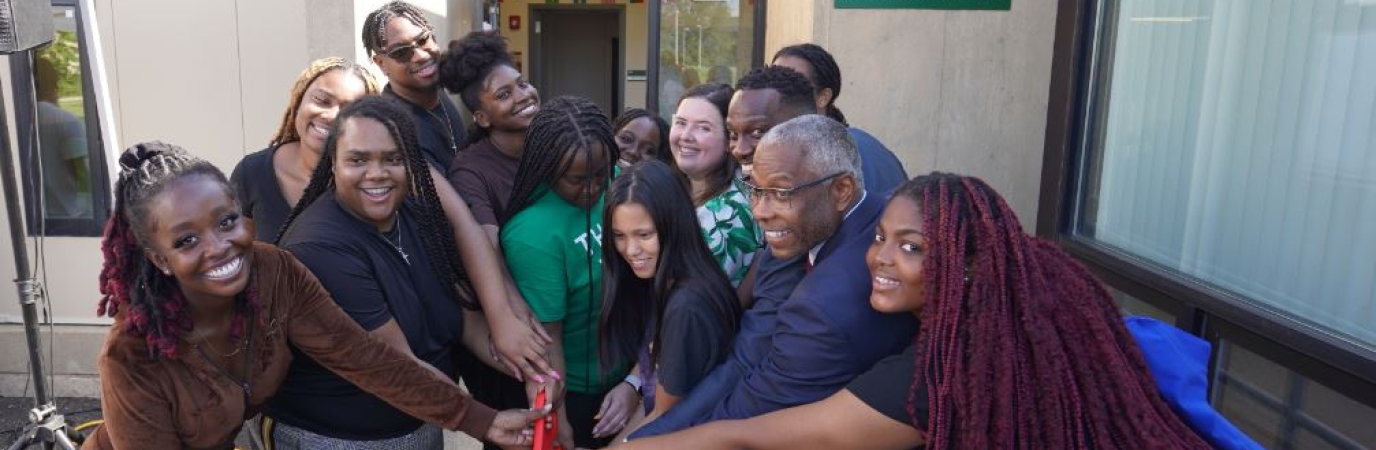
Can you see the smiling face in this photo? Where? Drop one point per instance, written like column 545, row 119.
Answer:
column 322, row 101
column 698, row 138
column 369, row 172
column 752, row 113
column 895, row 259
column 633, row 232
column 420, row 72
column 196, row 235
column 811, row 215
column 508, row 101
column 638, row 139
column 582, row 183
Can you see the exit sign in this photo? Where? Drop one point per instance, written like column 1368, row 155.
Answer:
column 924, row 4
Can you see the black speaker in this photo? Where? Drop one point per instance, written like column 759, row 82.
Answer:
column 25, row 24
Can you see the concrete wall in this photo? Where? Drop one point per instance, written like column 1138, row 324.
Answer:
column 959, row 91
column 635, row 37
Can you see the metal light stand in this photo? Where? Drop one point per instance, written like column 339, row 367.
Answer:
column 47, row 427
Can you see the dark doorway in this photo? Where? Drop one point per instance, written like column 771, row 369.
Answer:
column 577, row 50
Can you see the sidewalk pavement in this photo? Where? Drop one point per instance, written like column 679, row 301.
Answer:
column 14, row 413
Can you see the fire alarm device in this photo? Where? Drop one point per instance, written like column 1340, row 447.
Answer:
column 514, row 23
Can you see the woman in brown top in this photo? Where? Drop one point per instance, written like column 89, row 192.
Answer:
column 203, row 316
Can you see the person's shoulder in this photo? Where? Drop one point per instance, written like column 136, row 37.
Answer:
column 256, row 161
column 322, row 220
column 859, row 134
column 126, row 353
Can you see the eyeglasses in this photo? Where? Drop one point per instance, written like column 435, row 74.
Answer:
column 781, row 198
column 403, row 53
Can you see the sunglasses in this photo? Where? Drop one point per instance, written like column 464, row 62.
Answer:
column 403, row 53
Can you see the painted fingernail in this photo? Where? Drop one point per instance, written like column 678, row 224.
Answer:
column 539, row 379
column 555, row 374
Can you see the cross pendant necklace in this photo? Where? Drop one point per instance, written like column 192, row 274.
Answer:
column 397, row 245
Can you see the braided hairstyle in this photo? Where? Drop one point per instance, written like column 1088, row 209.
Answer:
column 432, row 225
column 795, row 92
column 375, row 25
column 825, row 73
column 286, row 132
column 563, row 125
column 633, row 114
column 719, row 95
column 1020, row 345
column 151, row 303
column 467, row 63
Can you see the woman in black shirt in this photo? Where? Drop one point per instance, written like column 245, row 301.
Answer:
column 668, row 306
column 1020, row 346
column 268, row 182
column 371, row 227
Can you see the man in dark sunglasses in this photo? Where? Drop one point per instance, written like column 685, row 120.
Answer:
column 403, row 44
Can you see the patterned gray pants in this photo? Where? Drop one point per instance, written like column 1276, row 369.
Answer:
column 268, row 434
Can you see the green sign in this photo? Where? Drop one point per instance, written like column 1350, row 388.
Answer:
column 924, row 4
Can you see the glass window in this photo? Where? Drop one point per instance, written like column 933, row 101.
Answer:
column 59, row 134
column 703, row 41
column 1279, row 408
column 1234, row 142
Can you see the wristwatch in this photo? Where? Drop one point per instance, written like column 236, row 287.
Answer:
column 634, row 381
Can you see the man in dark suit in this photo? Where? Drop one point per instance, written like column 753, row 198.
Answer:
column 811, row 329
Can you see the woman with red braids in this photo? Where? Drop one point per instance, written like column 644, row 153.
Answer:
column 1020, row 347
column 204, row 315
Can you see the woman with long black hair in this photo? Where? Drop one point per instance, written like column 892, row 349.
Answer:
column 668, row 305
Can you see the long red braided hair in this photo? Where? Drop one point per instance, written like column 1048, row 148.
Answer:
column 1020, row 346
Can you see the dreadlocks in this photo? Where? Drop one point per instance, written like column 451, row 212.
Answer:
column 1020, row 346
column 564, row 125
column 467, row 63
column 375, row 25
column 433, row 226
column 825, row 73
column 286, row 132
column 151, row 302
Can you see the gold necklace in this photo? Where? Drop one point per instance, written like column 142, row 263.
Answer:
column 238, row 347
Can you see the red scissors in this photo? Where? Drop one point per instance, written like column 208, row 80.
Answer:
column 546, row 428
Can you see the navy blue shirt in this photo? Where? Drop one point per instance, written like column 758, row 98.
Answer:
column 440, row 129
column 883, row 171
column 368, row 278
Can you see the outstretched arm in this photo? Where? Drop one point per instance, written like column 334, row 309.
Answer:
column 841, row 421
column 520, row 344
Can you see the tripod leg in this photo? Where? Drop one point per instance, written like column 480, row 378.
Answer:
column 63, row 441
column 25, row 438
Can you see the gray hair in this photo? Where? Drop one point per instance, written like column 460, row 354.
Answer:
column 826, row 145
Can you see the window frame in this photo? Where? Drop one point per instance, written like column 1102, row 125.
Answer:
column 1203, row 310
column 25, row 104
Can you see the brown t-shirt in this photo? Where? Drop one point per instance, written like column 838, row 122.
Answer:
column 483, row 176
column 186, row 403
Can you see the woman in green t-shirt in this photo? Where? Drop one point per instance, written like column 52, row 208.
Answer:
column 551, row 236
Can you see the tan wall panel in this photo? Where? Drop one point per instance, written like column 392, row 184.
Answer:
column 179, row 73
column 961, row 91
column 273, row 51
column 789, row 23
